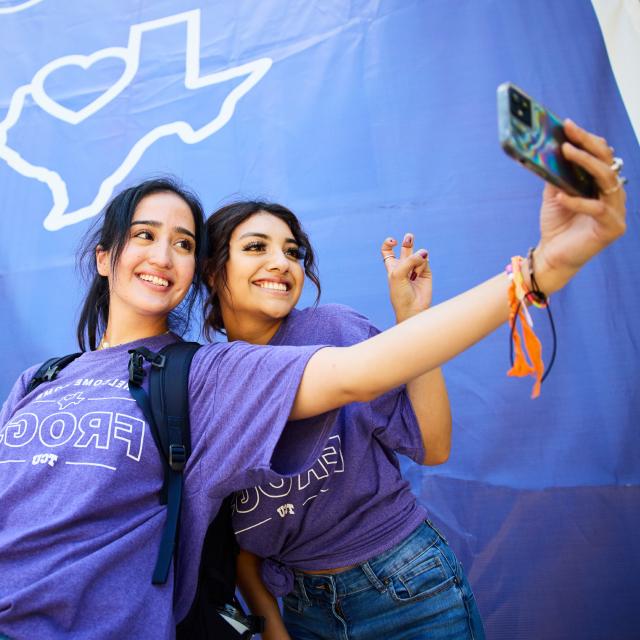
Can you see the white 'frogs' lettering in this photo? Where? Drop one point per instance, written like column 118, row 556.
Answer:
column 330, row 461
column 95, row 427
column 20, row 430
column 319, row 471
column 130, row 430
column 278, row 489
column 247, row 500
column 332, row 455
column 57, row 429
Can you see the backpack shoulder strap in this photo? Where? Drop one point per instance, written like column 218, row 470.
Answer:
column 49, row 370
column 166, row 409
column 169, row 398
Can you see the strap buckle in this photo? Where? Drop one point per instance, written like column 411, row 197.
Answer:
column 177, row 457
column 136, row 371
column 158, row 361
column 50, row 373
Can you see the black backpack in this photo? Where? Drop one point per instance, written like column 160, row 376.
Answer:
column 215, row 613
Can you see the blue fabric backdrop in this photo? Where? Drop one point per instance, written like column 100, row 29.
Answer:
column 368, row 118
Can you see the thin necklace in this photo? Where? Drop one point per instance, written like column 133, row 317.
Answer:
column 106, row 345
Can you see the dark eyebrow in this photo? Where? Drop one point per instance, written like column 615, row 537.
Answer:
column 253, row 234
column 156, row 224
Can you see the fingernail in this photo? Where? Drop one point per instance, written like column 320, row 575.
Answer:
column 413, row 276
column 408, row 238
column 424, row 253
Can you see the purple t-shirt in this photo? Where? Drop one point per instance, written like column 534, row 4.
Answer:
column 80, row 475
column 352, row 504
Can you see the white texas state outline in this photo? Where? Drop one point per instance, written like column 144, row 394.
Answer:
column 58, row 217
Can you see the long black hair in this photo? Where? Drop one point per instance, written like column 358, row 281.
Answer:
column 111, row 233
column 219, row 227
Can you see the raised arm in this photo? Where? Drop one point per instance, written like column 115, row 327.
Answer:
column 410, row 289
column 573, row 230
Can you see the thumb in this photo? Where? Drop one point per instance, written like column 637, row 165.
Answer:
column 414, row 263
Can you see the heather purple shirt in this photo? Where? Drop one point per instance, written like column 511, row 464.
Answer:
column 353, row 503
column 80, row 476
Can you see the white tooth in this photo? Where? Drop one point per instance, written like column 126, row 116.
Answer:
column 276, row 286
column 154, row 280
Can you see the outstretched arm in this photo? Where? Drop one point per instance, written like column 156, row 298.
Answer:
column 258, row 597
column 410, row 289
column 573, row 230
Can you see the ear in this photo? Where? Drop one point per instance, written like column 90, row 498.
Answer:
column 103, row 261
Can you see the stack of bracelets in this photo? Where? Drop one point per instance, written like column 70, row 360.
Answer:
column 519, row 297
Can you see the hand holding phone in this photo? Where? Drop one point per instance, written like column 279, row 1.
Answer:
column 533, row 136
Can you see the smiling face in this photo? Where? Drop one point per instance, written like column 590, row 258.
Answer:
column 156, row 267
column 264, row 275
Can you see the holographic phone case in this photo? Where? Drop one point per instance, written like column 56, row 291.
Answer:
column 532, row 135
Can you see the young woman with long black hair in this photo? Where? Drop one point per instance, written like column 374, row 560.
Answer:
column 345, row 544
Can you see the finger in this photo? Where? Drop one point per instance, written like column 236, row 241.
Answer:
column 596, row 209
column 605, row 176
column 407, row 246
column 405, row 268
column 388, row 257
column 595, row 145
column 423, row 270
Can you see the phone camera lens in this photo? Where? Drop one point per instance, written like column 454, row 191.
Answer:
column 520, row 107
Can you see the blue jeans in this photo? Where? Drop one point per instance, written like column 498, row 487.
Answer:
column 415, row 590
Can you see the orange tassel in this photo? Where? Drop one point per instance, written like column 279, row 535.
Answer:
column 532, row 346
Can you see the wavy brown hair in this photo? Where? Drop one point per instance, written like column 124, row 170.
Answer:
column 219, row 227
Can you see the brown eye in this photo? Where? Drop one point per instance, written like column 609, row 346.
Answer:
column 185, row 244
column 296, row 253
column 254, row 247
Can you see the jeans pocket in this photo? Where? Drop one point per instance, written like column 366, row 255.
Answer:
column 423, row 577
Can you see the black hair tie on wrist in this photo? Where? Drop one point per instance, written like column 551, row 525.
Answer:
column 539, row 299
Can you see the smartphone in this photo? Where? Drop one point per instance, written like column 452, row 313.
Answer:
column 533, row 136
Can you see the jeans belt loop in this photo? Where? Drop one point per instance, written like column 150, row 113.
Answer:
column 380, row 585
column 303, row 592
column 433, row 526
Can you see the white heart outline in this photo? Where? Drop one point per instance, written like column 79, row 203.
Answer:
column 53, row 107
